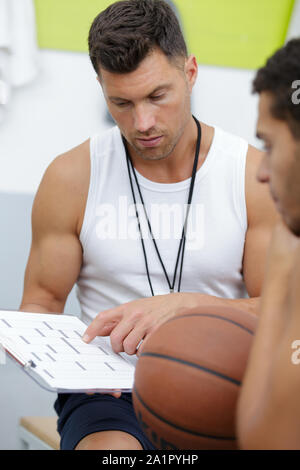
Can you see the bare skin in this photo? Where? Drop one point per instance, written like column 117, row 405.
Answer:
column 110, row 440
column 268, row 410
column 56, row 253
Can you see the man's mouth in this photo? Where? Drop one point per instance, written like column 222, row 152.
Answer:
column 150, row 141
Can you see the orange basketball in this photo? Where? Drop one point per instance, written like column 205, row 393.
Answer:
column 188, row 378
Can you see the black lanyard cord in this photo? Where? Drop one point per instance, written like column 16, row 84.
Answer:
column 139, row 225
column 183, row 239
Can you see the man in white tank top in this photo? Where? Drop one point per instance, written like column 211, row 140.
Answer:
column 158, row 151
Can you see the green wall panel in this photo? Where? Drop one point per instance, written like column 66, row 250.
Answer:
column 234, row 33
column 64, row 24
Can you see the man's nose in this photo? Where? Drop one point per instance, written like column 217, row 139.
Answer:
column 263, row 173
column 144, row 118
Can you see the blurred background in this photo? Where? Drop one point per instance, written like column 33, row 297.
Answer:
column 50, row 102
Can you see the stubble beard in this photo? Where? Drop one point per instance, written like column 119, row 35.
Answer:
column 158, row 154
column 161, row 154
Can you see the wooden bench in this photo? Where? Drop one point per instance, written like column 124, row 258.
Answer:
column 38, row 433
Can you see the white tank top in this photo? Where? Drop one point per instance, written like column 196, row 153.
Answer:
column 113, row 270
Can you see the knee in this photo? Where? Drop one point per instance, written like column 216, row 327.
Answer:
column 109, row 440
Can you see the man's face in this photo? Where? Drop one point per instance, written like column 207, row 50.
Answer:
column 281, row 164
column 151, row 105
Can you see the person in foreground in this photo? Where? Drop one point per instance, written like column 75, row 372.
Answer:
column 268, row 409
column 182, row 174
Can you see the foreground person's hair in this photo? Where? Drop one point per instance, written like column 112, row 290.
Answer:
column 279, row 74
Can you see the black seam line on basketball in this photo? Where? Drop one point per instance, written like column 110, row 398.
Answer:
column 192, row 364
column 212, row 316
column 180, row 428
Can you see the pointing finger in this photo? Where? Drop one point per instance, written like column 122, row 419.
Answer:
column 104, row 322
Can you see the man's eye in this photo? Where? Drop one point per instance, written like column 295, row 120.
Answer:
column 157, row 97
column 122, row 104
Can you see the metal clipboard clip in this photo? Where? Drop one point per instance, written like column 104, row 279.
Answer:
column 29, row 365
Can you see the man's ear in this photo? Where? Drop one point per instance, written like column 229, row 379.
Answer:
column 191, row 71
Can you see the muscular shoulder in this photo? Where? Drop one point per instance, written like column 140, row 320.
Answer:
column 72, row 168
column 64, row 188
column 260, row 207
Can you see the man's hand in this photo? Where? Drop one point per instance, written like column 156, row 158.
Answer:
column 115, row 394
column 279, row 270
column 281, row 255
column 132, row 322
column 283, row 246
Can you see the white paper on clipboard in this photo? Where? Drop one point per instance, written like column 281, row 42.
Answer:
column 50, row 349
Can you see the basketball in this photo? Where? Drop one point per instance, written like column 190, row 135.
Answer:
column 188, row 378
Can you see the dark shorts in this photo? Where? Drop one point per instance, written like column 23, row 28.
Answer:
column 80, row 414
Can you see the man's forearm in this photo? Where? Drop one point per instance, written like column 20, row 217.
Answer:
column 34, row 308
column 255, row 393
column 250, row 305
column 276, row 413
column 257, row 377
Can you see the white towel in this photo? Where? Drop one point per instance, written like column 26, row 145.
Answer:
column 18, row 46
column 294, row 26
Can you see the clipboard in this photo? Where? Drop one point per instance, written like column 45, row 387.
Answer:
column 49, row 349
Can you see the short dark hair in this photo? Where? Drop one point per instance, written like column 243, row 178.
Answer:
column 277, row 77
column 127, row 31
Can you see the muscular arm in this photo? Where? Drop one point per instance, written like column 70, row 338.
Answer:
column 268, row 409
column 55, row 257
column 262, row 218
